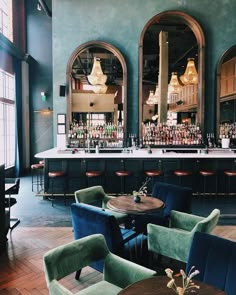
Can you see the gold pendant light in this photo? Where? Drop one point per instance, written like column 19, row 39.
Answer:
column 190, row 76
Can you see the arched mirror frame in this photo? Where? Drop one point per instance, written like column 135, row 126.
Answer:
column 117, row 53
column 198, row 32
column 218, row 89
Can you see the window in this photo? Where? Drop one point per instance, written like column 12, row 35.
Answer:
column 6, row 19
column 7, row 119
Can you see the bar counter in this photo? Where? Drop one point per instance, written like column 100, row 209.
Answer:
column 76, row 162
column 56, row 153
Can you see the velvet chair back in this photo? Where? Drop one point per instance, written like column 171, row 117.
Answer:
column 88, row 220
column 215, row 258
column 175, row 197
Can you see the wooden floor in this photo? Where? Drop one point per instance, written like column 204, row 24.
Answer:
column 21, row 267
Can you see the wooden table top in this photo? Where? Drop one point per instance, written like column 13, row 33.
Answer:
column 158, row 285
column 126, row 204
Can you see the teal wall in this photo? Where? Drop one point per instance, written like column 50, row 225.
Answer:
column 120, row 22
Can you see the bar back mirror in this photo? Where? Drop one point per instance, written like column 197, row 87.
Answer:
column 226, row 96
column 97, row 80
column 171, row 62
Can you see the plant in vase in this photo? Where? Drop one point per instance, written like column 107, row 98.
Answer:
column 187, row 282
column 141, row 192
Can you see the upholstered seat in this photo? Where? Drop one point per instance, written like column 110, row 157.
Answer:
column 57, row 175
column 215, row 258
column 37, row 175
column 175, row 241
column 88, row 220
column 123, row 174
column 175, row 197
column 66, row 259
column 95, row 195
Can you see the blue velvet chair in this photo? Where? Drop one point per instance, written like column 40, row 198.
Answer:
column 215, row 258
column 88, row 220
column 175, row 197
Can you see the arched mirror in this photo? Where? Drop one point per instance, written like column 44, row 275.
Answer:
column 169, row 90
column 97, row 79
column 226, row 96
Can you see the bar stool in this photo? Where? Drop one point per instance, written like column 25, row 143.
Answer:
column 229, row 174
column 94, row 174
column 181, row 174
column 122, row 174
column 205, row 174
column 57, row 175
column 153, row 174
column 37, row 175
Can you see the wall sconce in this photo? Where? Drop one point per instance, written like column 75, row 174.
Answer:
column 43, row 96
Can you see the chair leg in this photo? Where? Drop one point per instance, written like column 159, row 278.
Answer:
column 77, row 274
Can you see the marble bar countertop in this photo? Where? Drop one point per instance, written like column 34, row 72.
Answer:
column 70, row 153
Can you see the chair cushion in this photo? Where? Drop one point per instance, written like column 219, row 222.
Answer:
column 101, row 288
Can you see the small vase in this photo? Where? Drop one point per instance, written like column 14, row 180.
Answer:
column 137, row 198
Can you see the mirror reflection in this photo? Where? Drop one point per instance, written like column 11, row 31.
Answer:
column 97, row 98
column 170, row 72
column 227, row 97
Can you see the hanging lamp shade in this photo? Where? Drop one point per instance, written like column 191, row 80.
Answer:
column 190, row 75
column 96, row 76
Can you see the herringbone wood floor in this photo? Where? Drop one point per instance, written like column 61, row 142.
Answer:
column 21, row 267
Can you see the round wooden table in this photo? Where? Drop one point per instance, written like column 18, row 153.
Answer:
column 157, row 285
column 126, row 204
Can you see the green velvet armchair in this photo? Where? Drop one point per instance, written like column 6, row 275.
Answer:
column 66, row 259
column 175, row 241
column 96, row 196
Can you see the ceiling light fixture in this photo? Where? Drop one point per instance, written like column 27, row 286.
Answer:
column 97, row 78
column 190, row 75
column 153, row 97
column 174, row 85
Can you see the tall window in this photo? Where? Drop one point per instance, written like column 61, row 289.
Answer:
column 7, row 119
column 6, row 18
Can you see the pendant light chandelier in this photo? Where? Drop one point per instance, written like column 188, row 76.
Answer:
column 97, row 78
column 174, row 85
column 153, row 97
column 190, row 75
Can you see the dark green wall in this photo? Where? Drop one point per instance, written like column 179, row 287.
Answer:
column 39, row 47
column 120, row 22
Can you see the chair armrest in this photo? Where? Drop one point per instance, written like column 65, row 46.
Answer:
column 56, row 288
column 121, row 272
column 105, row 200
column 183, row 220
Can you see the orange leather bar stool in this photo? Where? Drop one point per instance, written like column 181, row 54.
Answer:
column 37, row 176
column 57, row 175
column 94, row 174
column 122, row 174
column 230, row 174
column 182, row 173
column 153, row 174
column 205, row 174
